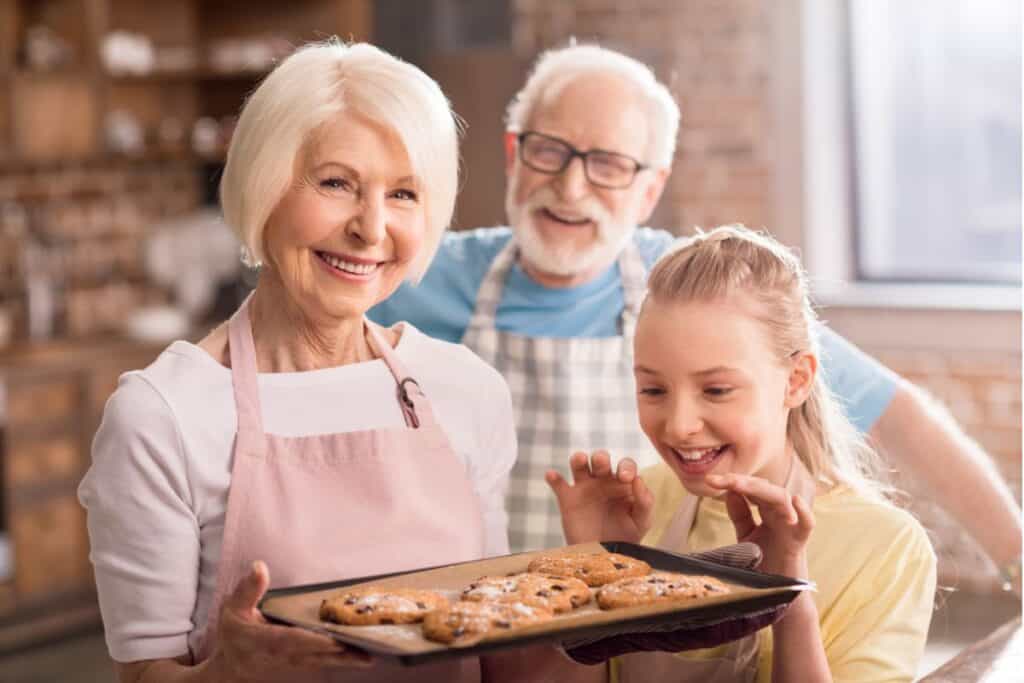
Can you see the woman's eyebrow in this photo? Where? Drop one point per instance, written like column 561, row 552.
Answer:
column 348, row 169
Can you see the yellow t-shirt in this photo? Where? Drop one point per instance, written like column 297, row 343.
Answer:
column 873, row 565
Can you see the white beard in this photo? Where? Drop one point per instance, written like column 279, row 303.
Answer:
column 566, row 260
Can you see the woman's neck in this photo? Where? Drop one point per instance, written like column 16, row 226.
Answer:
column 289, row 340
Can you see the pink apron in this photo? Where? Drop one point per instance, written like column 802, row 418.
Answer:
column 337, row 506
column 737, row 661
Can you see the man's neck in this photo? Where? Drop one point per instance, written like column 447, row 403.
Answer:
column 553, row 281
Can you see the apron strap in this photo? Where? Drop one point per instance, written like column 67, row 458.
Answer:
column 632, row 272
column 485, row 312
column 411, row 399
column 242, row 353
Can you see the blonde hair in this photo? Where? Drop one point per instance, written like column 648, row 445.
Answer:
column 732, row 260
column 557, row 68
column 320, row 81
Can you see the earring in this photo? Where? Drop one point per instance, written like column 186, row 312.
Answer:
column 248, row 260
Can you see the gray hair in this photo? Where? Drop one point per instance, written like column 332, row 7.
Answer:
column 315, row 83
column 556, row 68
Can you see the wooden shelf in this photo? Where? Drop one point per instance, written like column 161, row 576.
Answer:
column 185, row 77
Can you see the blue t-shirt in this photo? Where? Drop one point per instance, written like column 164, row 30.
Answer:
column 442, row 304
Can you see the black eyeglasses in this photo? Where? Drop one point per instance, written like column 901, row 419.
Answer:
column 550, row 155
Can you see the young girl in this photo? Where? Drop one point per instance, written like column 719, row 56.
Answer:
column 729, row 393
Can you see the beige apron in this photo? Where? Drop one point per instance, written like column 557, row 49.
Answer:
column 738, row 660
column 337, row 506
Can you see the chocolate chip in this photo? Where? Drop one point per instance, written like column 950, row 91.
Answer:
column 618, row 565
column 542, row 594
column 421, row 605
column 364, row 609
column 458, row 632
column 350, row 601
column 557, row 587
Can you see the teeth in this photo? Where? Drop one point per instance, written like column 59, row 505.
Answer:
column 354, row 268
column 568, row 219
column 691, row 454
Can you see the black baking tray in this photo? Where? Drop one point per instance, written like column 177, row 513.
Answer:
column 688, row 617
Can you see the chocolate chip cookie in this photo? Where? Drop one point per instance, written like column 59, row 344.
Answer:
column 556, row 593
column 465, row 623
column 594, row 569
column 658, row 587
column 369, row 606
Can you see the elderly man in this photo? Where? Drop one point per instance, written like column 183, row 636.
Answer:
column 552, row 301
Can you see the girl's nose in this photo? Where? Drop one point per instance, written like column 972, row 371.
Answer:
column 684, row 421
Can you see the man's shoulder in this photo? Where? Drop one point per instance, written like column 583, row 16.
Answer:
column 652, row 243
column 479, row 245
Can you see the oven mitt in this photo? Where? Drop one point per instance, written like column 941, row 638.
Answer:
column 700, row 635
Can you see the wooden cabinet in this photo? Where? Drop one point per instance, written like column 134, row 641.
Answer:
column 54, row 398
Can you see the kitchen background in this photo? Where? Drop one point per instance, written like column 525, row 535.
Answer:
column 833, row 123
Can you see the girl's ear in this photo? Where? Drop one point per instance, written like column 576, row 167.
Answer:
column 801, row 379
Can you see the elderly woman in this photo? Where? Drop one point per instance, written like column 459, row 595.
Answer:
column 298, row 442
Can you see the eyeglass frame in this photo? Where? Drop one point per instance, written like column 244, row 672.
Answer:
column 573, row 154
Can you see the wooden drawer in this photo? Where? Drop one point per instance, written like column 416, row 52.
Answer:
column 51, row 548
column 42, row 460
column 42, row 400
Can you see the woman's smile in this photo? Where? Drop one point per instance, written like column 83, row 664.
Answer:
column 349, row 268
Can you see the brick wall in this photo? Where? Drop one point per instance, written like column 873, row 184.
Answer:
column 715, row 57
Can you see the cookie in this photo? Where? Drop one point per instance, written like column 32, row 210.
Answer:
column 658, row 587
column 594, row 569
column 556, row 593
column 367, row 606
column 465, row 623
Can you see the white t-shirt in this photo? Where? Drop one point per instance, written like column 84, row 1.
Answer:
column 157, row 491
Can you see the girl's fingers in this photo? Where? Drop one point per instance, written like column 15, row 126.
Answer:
column 580, row 467
column 643, row 504
column 770, row 498
column 806, row 517
column 741, row 515
column 626, row 471
column 601, row 464
column 558, row 484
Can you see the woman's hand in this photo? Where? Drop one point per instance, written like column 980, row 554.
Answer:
column 602, row 505
column 786, row 521
column 251, row 648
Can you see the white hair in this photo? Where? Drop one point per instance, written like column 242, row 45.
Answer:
column 311, row 86
column 557, row 68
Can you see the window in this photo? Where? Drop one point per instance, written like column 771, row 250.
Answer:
column 912, row 151
column 935, row 119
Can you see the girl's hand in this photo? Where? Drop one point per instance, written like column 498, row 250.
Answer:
column 602, row 505
column 249, row 648
column 786, row 521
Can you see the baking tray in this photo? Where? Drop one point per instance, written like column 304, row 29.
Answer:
column 754, row 593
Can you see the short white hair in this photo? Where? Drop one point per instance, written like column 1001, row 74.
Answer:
column 557, row 68
column 311, row 86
